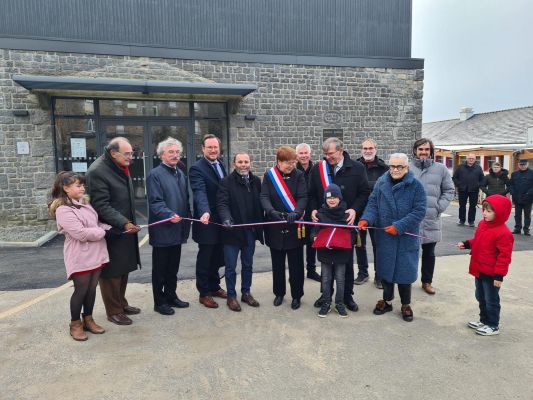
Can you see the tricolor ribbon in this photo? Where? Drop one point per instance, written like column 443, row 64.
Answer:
column 282, row 189
column 325, row 178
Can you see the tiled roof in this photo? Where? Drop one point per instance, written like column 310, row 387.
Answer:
column 498, row 127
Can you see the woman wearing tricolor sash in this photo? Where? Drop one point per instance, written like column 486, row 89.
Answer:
column 284, row 198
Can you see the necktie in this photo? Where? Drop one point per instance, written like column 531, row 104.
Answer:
column 218, row 170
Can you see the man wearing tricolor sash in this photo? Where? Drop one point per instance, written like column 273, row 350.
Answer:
column 350, row 175
column 284, row 198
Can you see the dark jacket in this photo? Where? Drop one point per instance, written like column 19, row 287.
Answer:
column 352, row 180
column 111, row 193
column 374, row 170
column 241, row 205
column 283, row 236
column 168, row 194
column 204, row 184
column 307, row 172
column 468, row 178
column 522, row 187
column 496, row 184
column 333, row 216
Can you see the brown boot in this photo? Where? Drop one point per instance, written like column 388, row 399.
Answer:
column 428, row 288
column 91, row 326
column 76, row 330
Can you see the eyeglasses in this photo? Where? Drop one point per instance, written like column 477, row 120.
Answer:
column 127, row 153
column 397, row 167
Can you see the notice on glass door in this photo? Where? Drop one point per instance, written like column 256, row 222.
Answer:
column 78, row 148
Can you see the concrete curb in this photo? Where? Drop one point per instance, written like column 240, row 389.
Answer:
column 36, row 243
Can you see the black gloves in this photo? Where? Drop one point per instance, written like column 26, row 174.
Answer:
column 228, row 224
column 113, row 233
column 276, row 216
column 291, row 217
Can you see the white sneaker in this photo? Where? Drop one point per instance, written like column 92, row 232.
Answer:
column 488, row 330
column 475, row 324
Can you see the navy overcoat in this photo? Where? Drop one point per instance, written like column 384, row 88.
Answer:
column 404, row 206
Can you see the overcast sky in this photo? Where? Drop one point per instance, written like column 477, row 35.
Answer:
column 478, row 53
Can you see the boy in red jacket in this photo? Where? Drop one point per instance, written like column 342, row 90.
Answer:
column 491, row 250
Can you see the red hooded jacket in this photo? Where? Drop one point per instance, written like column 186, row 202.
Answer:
column 492, row 244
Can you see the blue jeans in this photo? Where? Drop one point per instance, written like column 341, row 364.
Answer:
column 231, row 252
column 327, row 273
column 488, row 297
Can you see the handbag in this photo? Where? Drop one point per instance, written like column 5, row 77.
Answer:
column 333, row 239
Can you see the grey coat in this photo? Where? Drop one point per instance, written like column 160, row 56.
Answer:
column 440, row 190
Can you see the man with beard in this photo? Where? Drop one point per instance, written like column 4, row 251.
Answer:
column 238, row 203
column 439, row 189
column 350, row 175
column 375, row 167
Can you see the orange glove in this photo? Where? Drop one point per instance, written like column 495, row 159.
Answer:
column 391, row 230
column 362, row 224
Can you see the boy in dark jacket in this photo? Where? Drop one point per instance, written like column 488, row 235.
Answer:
column 491, row 249
column 333, row 261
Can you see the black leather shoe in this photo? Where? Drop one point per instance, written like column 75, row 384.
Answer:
column 164, row 309
column 178, row 303
column 351, row 304
column 312, row 274
column 295, row 304
column 319, row 302
column 278, row 300
column 130, row 310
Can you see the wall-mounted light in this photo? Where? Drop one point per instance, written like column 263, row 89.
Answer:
column 21, row 113
column 250, row 117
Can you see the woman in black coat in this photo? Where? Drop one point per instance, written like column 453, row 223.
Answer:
column 283, row 239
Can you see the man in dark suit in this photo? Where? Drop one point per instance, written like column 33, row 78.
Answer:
column 204, row 178
column 238, row 203
column 350, row 175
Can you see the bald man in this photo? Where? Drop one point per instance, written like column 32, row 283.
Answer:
column 111, row 190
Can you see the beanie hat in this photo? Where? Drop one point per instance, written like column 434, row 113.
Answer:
column 332, row 191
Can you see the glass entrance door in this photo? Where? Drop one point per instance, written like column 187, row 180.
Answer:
column 144, row 137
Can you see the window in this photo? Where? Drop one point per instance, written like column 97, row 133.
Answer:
column 327, row 133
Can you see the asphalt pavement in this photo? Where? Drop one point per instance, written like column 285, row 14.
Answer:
column 36, row 268
column 267, row 352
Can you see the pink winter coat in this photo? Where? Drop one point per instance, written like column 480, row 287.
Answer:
column 85, row 247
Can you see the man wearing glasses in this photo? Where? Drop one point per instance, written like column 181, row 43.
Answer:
column 375, row 167
column 111, row 190
column 350, row 175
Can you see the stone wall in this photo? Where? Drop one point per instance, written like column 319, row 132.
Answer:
column 293, row 104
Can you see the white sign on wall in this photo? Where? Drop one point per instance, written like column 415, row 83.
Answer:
column 78, row 147
column 23, row 148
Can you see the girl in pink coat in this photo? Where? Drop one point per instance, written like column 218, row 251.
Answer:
column 85, row 250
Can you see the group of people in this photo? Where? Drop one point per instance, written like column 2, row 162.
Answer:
column 327, row 207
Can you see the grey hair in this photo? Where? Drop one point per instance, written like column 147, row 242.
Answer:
column 303, row 145
column 367, row 139
column 170, row 141
column 114, row 144
column 332, row 140
column 401, row 156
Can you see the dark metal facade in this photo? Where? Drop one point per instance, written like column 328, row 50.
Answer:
column 323, row 28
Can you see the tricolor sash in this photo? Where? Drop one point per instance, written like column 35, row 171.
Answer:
column 282, row 189
column 325, row 178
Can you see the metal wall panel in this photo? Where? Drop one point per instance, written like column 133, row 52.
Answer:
column 338, row 28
